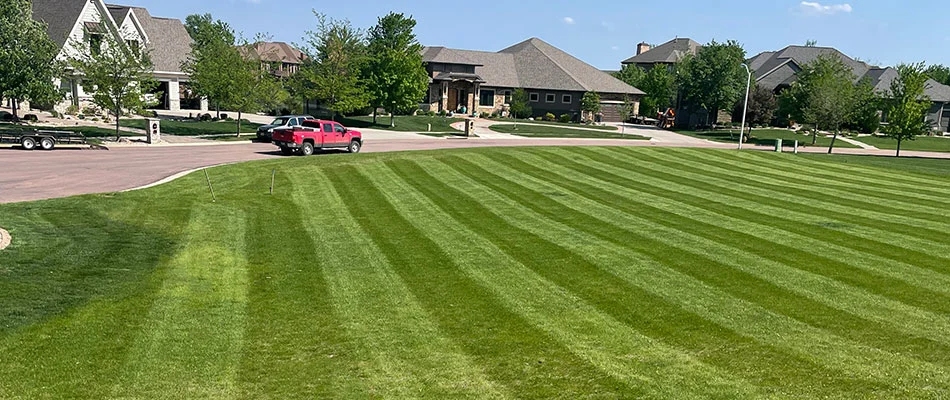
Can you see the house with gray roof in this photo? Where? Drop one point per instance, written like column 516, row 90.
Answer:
column 481, row 81
column 73, row 22
column 666, row 54
column 280, row 59
column 777, row 70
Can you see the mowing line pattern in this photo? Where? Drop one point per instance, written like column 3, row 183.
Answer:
column 492, row 273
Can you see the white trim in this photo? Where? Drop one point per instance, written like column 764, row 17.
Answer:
column 138, row 25
column 546, row 95
column 571, row 101
column 537, row 97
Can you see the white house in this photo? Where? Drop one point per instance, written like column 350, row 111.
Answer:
column 86, row 21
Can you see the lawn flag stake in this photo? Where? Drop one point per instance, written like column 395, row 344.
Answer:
column 208, row 177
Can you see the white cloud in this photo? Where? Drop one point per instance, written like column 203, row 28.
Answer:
column 818, row 8
column 569, row 20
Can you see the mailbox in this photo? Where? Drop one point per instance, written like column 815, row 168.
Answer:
column 154, row 128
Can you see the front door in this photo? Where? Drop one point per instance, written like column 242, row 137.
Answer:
column 462, row 100
column 453, row 100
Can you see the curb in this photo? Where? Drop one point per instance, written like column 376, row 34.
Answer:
column 5, row 239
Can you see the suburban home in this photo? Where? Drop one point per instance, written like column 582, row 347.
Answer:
column 279, row 58
column 483, row 82
column 777, row 70
column 666, row 54
column 71, row 22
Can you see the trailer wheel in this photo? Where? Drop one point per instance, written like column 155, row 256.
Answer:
column 28, row 143
column 47, row 143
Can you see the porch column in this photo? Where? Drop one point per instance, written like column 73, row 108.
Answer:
column 204, row 104
column 174, row 95
column 444, row 103
column 476, row 97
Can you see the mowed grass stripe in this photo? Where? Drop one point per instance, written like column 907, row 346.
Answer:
column 915, row 261
column 871, row 175
column 924, row 204
column 192, row 340
column 804, row 186
column 392, row 335
column 813, row 211
column 527, row 362
column 907, row 319
column 295, row 345
column 642, row 307
column 699, row 216
column 617, row 349
column 734, row 284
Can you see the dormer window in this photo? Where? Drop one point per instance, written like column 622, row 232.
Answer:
column 95, row 44
column 133, row 45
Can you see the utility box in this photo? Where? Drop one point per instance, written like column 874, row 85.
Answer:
column 154, row 131
column 469, row 127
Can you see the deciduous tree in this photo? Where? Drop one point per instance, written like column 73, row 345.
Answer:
column 211, row 63
column 118, row 76
column 714, row 78
column 590, row 104
column 28, row 63
column 394, row 76
column 824, row 95
column 337, row 54
column 907, row 105
column 519, row 104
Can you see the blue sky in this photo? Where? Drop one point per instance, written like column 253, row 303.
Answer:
column 605, row 32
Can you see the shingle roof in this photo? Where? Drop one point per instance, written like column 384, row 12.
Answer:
column 118, row 13
column 169, row 42
column 777, row 68
column 446, row 55
column 533, row 64
column 669, row 52
column 60, row 17
column 274, row 52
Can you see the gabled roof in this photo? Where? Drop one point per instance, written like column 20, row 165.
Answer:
column 121, row 13
column 60, row 17
column 273, row 52
column 669, row 53
column 532, row 64
column 169, row 42
column 779, row 68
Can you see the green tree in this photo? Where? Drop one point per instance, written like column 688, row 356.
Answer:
column 519, row 104
column 823, row 95
column 394, row 75
column 337, row 54
column 28, row 63
column 939, row 73
column 631, row 75
column 762, row 107
column 590, row 104
column 251, row 89
column 659, row 84
column 211, row 65
column 626, row 110
column 907, row 106
column 713, row 79
column 866, row 117
column 118, row 76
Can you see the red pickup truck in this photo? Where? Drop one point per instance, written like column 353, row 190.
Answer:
column 317, row 134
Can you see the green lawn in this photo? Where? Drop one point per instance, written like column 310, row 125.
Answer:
column 530, row 130
column 404, row 123
column 488, row 273
column 554, row 123
column 766, row 137
column 923, row 143
column 194, row 128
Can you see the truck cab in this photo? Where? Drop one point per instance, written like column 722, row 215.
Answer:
column 316, row 134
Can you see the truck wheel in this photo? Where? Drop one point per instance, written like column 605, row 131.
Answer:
column 354, row 147
column 287, row 151
column 47, row 143
column 28, row 143
column 306, row 149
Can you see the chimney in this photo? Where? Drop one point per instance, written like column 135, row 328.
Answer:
column 642, row 48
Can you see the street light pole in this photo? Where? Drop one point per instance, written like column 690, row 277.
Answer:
column 745, row 108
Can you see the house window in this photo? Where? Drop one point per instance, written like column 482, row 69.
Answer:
column 95, row 44
column 567, row 99
column 534, row 97
column 550, row 98
column 487, row 98
column 438, row 67
column 507, row 96
column 133, row 45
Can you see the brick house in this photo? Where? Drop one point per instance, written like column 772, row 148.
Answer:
column 480, row 81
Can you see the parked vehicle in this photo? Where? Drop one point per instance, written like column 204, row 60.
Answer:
column 46, row 140
column 317, row 134
column 265, row 132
